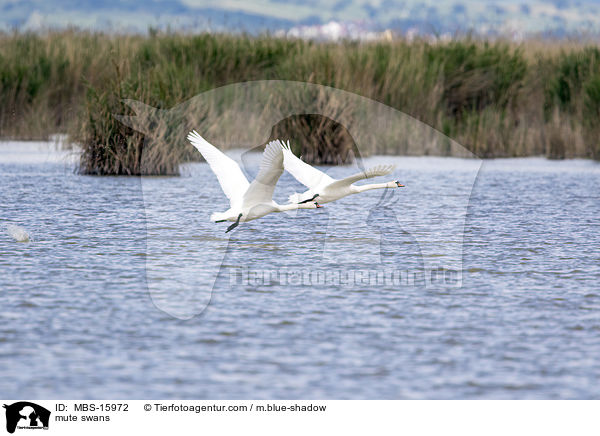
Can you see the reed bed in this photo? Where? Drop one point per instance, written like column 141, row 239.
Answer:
column 495, row 98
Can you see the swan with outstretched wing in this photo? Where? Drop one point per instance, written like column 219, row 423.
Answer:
column 247, row 201
column 326, row 188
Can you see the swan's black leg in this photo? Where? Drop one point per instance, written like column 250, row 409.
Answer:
column 220, row 221
column 234, row 225
column 310, row 199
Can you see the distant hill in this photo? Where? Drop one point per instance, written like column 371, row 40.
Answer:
column 306, row 18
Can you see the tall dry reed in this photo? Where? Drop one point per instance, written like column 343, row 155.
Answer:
column 495, row 98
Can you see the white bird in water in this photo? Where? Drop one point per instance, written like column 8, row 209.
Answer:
column 248, row 201
column 19, row 234
column 326, row 188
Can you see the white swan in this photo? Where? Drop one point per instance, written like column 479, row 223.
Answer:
column 247, row 201
column 326, row 188
column 19, row 234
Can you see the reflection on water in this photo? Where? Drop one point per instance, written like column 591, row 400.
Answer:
column 301, row 304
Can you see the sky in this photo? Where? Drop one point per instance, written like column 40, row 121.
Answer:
column 559, row 17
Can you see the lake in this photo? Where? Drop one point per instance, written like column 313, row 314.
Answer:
column 476, row 280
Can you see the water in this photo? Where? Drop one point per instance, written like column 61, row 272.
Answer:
column 81, row 303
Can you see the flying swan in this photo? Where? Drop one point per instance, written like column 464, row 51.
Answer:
column 326, row 188
column 248, row 201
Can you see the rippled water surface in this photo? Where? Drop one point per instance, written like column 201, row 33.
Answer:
column 112, row 295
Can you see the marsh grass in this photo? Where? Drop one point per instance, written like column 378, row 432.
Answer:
column 495, row 98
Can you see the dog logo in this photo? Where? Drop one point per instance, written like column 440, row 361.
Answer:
column 26, row 415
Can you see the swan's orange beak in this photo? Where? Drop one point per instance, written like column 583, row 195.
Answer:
column 399, row 185
column 318, row 205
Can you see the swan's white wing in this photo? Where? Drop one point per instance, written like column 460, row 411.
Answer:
column 306, row 174
column 379, row 170
column 271, row 167
column 228, row 172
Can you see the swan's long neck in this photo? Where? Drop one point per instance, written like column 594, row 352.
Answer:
column 363, row 188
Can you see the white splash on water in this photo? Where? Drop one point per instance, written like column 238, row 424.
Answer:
column 19, row 234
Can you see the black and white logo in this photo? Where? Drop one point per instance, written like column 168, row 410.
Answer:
column 26, row 415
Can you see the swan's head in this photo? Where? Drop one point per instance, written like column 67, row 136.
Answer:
column 398, row 184
column 317, row 205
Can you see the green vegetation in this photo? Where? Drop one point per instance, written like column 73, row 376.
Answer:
column 495, row 98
